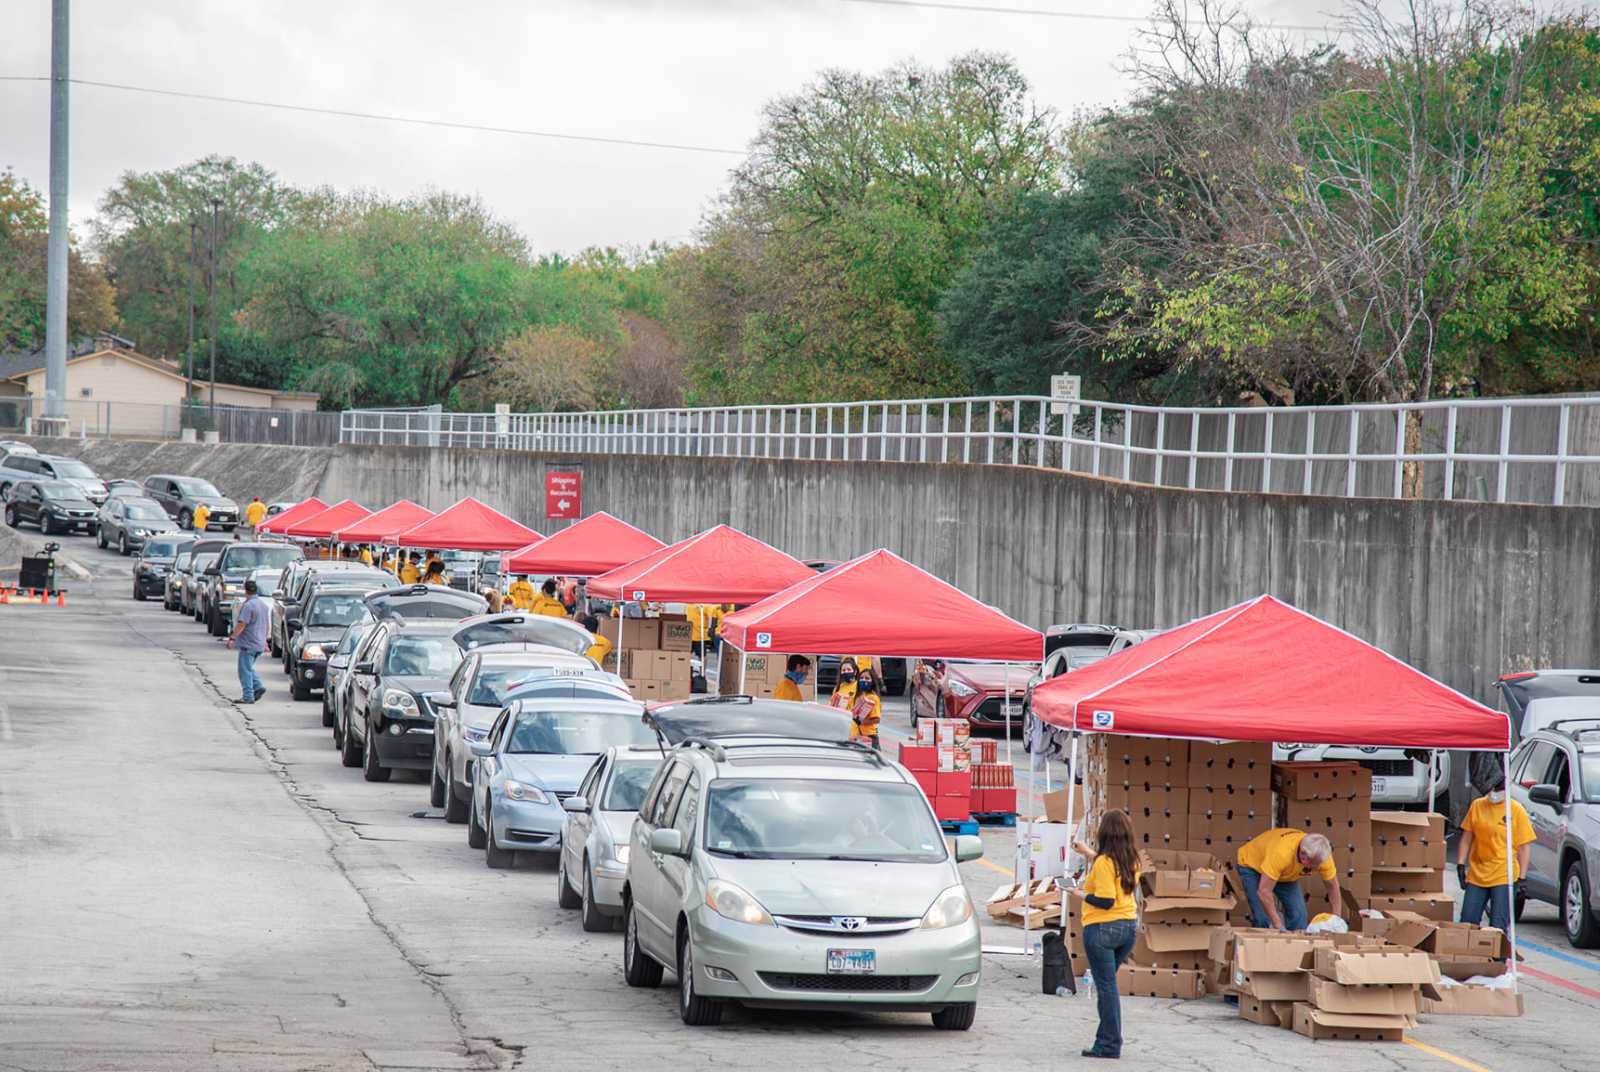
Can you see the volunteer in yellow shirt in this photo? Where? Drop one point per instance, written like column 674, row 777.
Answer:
column 795, row 674
column 602, row 644
column 366, row 554
column 255, row 513
column 703, row 618
column 521, row 593
column 201, row 515
column 1481, row 856
column 866, row 708
column 546, row 602
column 1271, row 866
column 844, row 689
column 409, row 574
column 1110, row 922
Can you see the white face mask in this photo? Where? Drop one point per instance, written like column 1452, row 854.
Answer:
column 1497, row 796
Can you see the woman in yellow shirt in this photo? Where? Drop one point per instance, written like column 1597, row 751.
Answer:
column 1481, row 857
column 546, row 602
column 844, row 689
column 866, row 709
column 1110, row 920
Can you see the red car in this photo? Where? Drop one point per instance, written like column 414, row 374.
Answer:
column 976, row 692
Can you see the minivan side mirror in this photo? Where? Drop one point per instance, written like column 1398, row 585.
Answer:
column 364, row 667
column 1546, row 794
column 576, row 804
column 968, row 847
column 213, row 571
column 668, row 842
column 441, row 699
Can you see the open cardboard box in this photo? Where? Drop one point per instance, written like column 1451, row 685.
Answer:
column 1374, row 967
column 1204, row 911
column 1173, row 873
column 1173, row 937
column 1160, row 983
column 1040, row 893
column 1448, row 940
column 1273, row 986
column 1315, row 1023
column 1473, row 1001
column 1392, row 1000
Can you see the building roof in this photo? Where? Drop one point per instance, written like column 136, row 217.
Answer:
column 16, row 365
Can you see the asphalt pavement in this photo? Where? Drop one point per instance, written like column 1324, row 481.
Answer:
column 189, row 884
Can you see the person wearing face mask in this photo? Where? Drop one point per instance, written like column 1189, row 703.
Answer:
column 867, row 710
column 844, row 690
column 795, row 676
column 1481, row 855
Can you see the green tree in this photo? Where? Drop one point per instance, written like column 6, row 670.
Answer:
column 24, row 257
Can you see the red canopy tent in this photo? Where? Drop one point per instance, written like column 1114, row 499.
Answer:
column 589, row 548
column 321, row 526
column 1266, row 671
column 719, row 565
column 298, row 512
column 469, row 525
column 390, row 521
column 882, row 604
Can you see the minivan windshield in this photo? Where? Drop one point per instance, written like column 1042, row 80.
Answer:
column 806, row 819
column 628, row 783
column 240, row 559
column 72, row 470
column 423, row 656
column 569, row 733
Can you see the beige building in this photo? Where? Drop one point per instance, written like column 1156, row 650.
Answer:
column 115, row 390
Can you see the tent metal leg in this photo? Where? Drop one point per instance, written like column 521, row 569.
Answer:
column 1511, row 873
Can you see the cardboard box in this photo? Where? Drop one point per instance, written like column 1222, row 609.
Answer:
column 1160, row 983
column 1230, row 765
column 1406, row 929
column 1194, row 911
column 1315, row 1023
column 1231, row 805
column 680, row 666
column 918, row 757
column 1322, row 781
column 1195, row 959
column 955, row 759
column 955, row 784
column 1221, row 843
column 1272, row 986
column 1464, row 968
column 1373, row 967
column 1055, row 806
column 1171, row 873
column 1452, row 940
column 929, row 781
column 1141, row 800
column 1391, row 881
column 1149, row 838
column 1407, row 839
column 1122, row 758
column 1041, row 893
column 1473, row 1001
column 1440, row 907
column 1047, row 847
column 1394, row 1000
column 952, row 732
column 675, row 633
column 951, row 809
column 644, row 633
column 1256, row 950
column 1266, row 1013
column 991, row 801
column 1176, row 937
column 755, row 672
column 927, row 733
column 649, row 690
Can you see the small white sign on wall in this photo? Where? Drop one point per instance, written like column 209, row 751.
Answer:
column 1065, row 389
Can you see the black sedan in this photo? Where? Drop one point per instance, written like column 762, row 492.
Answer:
column 328, row 612
column 155, row 564
column 390, row 719
column 53, row 505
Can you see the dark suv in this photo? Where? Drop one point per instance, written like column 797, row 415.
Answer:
column 126, row 521
column 326, row 613
column 224, row 580
column 181, row 495
column 155, row 563
column 53, row 505
column 41, row 468
column 388, row 722
column 1555, row 774
column 298, row 578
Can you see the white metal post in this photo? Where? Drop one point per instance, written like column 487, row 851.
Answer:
column 1194, row 445
column 1450, row 452
column 1511, row 873
column 1311, row 447
column 1399, row 451
column 1266, row 456
column 1561, row 455
column 1505, row 448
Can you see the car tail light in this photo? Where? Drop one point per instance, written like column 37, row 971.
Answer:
column 1522, row 676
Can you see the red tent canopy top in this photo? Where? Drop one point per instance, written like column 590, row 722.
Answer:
column 390, row 521
column 882, row 604
column 298, row 512
column 469, row 525
column 719, row 565
column 588, row 548
column 1267, row 671
column 321, row 526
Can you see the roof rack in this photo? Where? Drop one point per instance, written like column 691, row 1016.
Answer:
column 720, row 749
column 1593, row 721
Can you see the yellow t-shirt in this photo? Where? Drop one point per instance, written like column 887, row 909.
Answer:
column 844, row 695
column 867, row 710
column 787, row 690
column 599, row 649
column 255, row 513
column 552, row 608
column 199, row 518
column 702, row 619
column 521, row 593
column 366, row 556
column 1102, row 882
column 1275, row 854
column 409, row 574
column 1486, row 822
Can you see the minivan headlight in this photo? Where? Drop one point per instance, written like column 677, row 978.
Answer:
column 531, row 794
column 732, row 902
column 399, row 698
column 950, row 908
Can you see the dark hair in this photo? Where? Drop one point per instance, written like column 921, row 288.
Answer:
column 866, row 681
column 250, row 586
column 591, row 623
column 1115, row 840
column 549, row 586
column 798, row 662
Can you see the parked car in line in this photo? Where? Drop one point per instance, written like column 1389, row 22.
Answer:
column 193, row 579
column 1071, row 647
column 172, row 589
column 594, row 843
column 39, row 468
column 224, row 582
column 1536, row 698
column 798, row 873
column 298, row 579
column 274, row 509
column 53, row 505
column 987, row 695
column 536, row 754
column 416, row 601
column 389, row 722
column 1555, row 774
column 115, row 488
column 328, row 611
column 180, row 496
column 127, row 522
column 339, row 661
column 16, row 446
column 475, row 696
column 156, row 558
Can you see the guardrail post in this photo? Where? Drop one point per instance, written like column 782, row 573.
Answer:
column 966, row 436
column 1161, row 444
column 1099, row 412
column 1352, row 461
column 1194, row 445
column 1561, row 455
column 1311, row 447
column 1127, row 444
column 1505, row 449
column 1450, row 453
column 1227, row 461
column 883, row 432
column 944, row 434
column 1266, row 456
column 989, row 430
column 1399, row 452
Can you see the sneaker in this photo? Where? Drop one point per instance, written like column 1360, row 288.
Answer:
column 259, row 693
column 245, row 700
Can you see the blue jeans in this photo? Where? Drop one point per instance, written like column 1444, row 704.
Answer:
column 1107, row 946
column 1496, row 898
column 249, row 681
column 1291, row 901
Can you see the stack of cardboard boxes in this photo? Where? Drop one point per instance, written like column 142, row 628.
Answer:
column 762, row 673
column 1364, row 993
column 1335, row 800
column 1461, row 951
column 941, row 761
column 651, row 656
column 1408, row 862
column 1185, row 901
column 994, row 789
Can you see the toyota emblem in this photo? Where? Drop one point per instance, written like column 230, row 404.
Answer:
column 849, row 923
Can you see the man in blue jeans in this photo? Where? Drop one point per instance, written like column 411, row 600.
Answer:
column 251, row 622
column 1271, row 866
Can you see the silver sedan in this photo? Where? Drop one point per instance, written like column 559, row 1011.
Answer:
column 594, row 843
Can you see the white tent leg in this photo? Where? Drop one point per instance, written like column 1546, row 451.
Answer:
column 1433, row 769
column 1072, row 790
column 1511, row 873
column 741, row 673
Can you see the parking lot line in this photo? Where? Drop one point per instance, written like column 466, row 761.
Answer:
column 1443, row 1055
column 991, row 865
column 1565, row 984
column 1570, row 958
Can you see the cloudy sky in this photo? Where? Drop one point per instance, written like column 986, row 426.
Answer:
column 692, row 72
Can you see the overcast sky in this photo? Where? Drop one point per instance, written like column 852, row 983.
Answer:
column 684, row 71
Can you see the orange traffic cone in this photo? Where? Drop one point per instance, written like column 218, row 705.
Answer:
column 5, row 595
column 61, row 597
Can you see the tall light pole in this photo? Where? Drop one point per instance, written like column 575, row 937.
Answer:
column 216, row 209
column 55, row 317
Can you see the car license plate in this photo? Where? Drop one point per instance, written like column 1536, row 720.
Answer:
column 1379, row 785
column 1011, row 710
column 852, row 961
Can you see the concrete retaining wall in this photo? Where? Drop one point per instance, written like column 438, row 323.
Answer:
column 1462, row 590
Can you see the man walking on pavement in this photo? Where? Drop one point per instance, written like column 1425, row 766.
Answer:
column 254, row 515
column 252, row 619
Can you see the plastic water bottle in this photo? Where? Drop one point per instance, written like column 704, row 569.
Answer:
column 1062, row 992
column 1088, row 984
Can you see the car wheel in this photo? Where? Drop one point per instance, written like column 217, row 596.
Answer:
column 593, row 919
column 695, row 1010
column 475, row 832
column 297, row 690
column 956, row 1017
column 327, row 707
column 1518, row 903
column 138, row 594
column 349, row 751
column 338, row 731
column 11, row 516
column 371, row 769
column 1576, row 917
column 122, row 544
column 455, row 809
column 185, row 519
column 100, row 538
column 45, row 525
column 637, row 967
column 566, row 896
column 493, row 855
column 436, row 787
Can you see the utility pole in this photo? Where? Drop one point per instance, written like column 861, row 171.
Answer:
column 55, row 317
column 194, row 266
column 216, row 209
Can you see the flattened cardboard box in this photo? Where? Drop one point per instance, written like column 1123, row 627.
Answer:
column 1399, row 928
column 1205, row 911
column 1040, row 893
column 1369, row 967
column 1266, row 1013
column 1473, row 1001
column 1171, row 938
column 1314, row 1023
column 1366, row 1000
column 1273, row 986
column 1160, row 983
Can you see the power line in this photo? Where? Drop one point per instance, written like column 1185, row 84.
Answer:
column 1084, row 16
column 344, row 113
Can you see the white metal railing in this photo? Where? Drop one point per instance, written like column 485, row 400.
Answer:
column 1531, row 450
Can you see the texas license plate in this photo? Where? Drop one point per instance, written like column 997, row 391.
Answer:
column 1011, row 710
column 852, row 961
column 1379, row 785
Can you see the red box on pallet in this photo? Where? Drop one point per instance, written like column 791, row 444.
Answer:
column 929, row 781
column 948, row 809
column 955, row 784
column 917, row 757
column 991, row 801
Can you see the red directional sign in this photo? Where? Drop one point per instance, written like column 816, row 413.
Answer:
column 563, row 495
